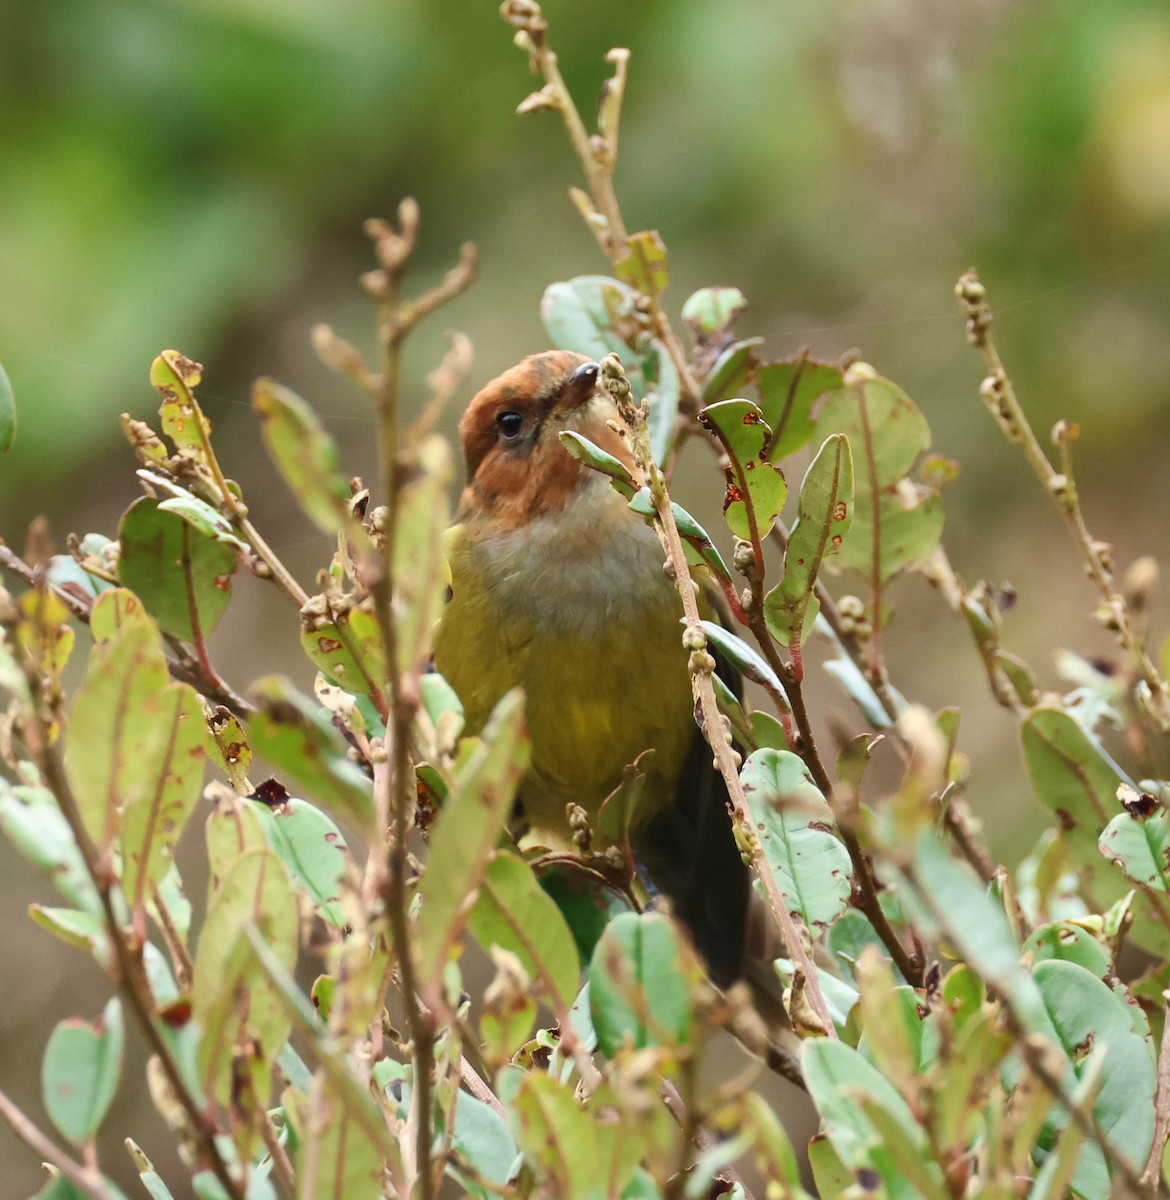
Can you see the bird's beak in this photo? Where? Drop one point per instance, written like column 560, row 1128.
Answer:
column 578, row 389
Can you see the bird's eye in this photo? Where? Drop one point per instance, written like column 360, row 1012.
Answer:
column 509, row 424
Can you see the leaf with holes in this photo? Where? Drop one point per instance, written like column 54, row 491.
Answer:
column 344, row 643
column 296, row 737
column 175, row 377
column 1140, row 846
column 1075, row 778
column 756, row 490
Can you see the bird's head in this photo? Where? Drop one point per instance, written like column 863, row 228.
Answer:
column 517, row 467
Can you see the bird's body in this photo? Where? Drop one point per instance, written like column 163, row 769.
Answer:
column 558, row 588
column 566, row 608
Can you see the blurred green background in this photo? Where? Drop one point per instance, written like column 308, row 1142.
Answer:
column 193, row 174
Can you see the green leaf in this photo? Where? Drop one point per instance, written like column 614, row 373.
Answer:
column 114, row 744
column 466, row 832
column 512, row 911
column 151, row 1180
column 662, row 392
column 233, row 828
column 944, row 899
column 747, row 660
column 896, row 523
column 583, row 450
column 1087, row 1015
column 587, row 904
column 312, row 848
column 204, row 519
column 182, row 577
column 420, row 570
column 290, row 731
column 343, row 1087
column 595, row 316
column 228, row 747
column 153, row 824
column 640, row 985
column 233, row 1003
column 826, row 512
column 337, row 1157
column 304, row 454
column 832, row 1177
column 1140, row 846
column 482, row 1139
column 34, row 824
column 344, row 643
column 113, row 609
column 755, row 488
column 7, row 413
column 557, row 1135
column 899, row 1039
column 80, row 1071
column 792, row 821
column 1066, row 942
column 731, row 371
column 642, row 263
column 788, row 391
column 84, row 929
column 839, row 1080
column 67, row 575
column 697, row 543
column 1076, row 779
column 711, row 310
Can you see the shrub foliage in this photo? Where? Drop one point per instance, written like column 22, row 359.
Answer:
column 959, row 1028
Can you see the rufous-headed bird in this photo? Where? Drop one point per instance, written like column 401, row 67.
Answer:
column 558, row 588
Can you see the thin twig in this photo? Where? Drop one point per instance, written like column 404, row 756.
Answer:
column 699, row 1136
column 1000, row 395
column 1153, row 1172
column 394, row 776
column 282, row 1169
column 598, row 157
column 865, row 886
column 85, row 1179
column 702, row 666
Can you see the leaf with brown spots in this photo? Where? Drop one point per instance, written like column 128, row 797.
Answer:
column 826, row 513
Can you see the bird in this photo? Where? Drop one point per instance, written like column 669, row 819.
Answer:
column 558, row 588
